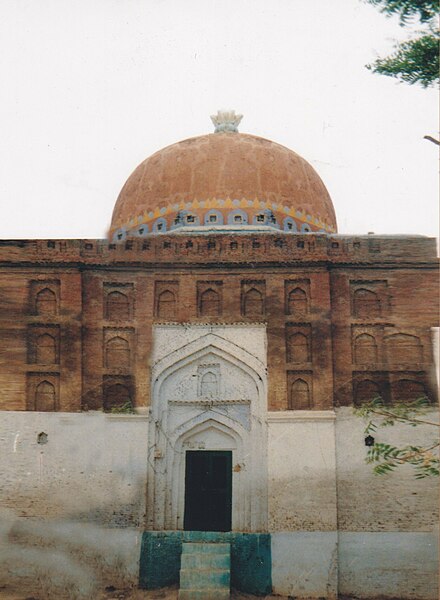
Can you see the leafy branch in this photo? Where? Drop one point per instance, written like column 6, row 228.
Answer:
column 424, row 10
column 415, row 60
column 424, row 459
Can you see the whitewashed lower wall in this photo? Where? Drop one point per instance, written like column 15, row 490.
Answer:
column 302, row 471
column 305, row 564
column 393, row 502
column 393, row 565
column 337, row 526
column 93, row 466
column 83, row 496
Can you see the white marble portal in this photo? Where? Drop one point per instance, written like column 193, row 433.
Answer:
column 209, row 392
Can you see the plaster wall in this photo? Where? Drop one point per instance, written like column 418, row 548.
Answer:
column 71, row 508
column 393, row 502
column 83, row 496
column 92, row 468
column 172, row 337
column 388, row 564
column 305, row 564
column 302, row 471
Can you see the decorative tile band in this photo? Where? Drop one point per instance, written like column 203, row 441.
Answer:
column 213, row 212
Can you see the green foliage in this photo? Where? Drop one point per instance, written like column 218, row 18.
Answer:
column 416, row 60
column 425, row 10
column 125, row 409
column 389, row 457
column 423, row 458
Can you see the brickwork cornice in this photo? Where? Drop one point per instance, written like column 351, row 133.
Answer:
column 225, row 250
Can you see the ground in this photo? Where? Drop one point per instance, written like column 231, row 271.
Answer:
column 111, row 593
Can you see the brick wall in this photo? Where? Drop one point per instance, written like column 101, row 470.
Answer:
column 363, row 306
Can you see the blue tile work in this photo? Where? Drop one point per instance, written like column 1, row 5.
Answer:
column 251, row 561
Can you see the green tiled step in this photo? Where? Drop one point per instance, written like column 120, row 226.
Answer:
column 205, row 548
column 204, row 579
column 204, row 594
column 205, row 571
column 209, row 560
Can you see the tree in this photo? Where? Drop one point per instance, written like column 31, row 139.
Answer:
column 386, row 457
column 415, row 60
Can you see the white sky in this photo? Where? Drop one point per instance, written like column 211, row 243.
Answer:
column 92, row 87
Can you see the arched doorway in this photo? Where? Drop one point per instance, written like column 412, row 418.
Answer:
column 212, row 446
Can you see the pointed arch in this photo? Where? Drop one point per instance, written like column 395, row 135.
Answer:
column 367, row 391
column 204, row 345
column 117, row 353
column 365, row 349
column 408, row 390
column 209, row 385
column 210, row 428
column 297, row 302
column 299, row 395
column 209, row 303
column 403, row 348
column 298, row 350
column 45, row 350
column 117, row 306
column 166, row 305
column 46, row 302
column 45, row 397
column 253, row 303
column 366, row 303
column 116, row 396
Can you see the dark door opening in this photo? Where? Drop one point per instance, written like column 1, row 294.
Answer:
column 208, row 490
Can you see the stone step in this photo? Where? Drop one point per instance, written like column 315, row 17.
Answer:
column 204, row 579
column 205, row 561
column 205, row 571
column 205, row 548
column 222, row 594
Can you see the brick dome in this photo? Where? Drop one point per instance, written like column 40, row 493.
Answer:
column 221, row 181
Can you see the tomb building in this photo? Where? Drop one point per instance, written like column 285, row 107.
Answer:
column 192, row 378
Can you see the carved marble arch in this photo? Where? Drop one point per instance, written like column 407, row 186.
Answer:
column 209, row 427
column 253, row 303
column 117, row 306
column 403, row 348
column 45, row 397
column 208, row 344
column 366, row 303
column 297, row 302
column 209, row 303
column 117, row 353
column 166, row 305
column 45, row 350
column 365, row 349
column 46, row 302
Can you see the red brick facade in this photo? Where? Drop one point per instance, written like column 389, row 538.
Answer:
column 347, row 317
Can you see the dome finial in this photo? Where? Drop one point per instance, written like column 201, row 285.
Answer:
column 226, row 120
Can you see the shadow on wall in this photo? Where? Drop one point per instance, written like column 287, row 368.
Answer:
column 62, row 559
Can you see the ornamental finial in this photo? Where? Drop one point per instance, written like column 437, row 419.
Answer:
column 226, row 120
